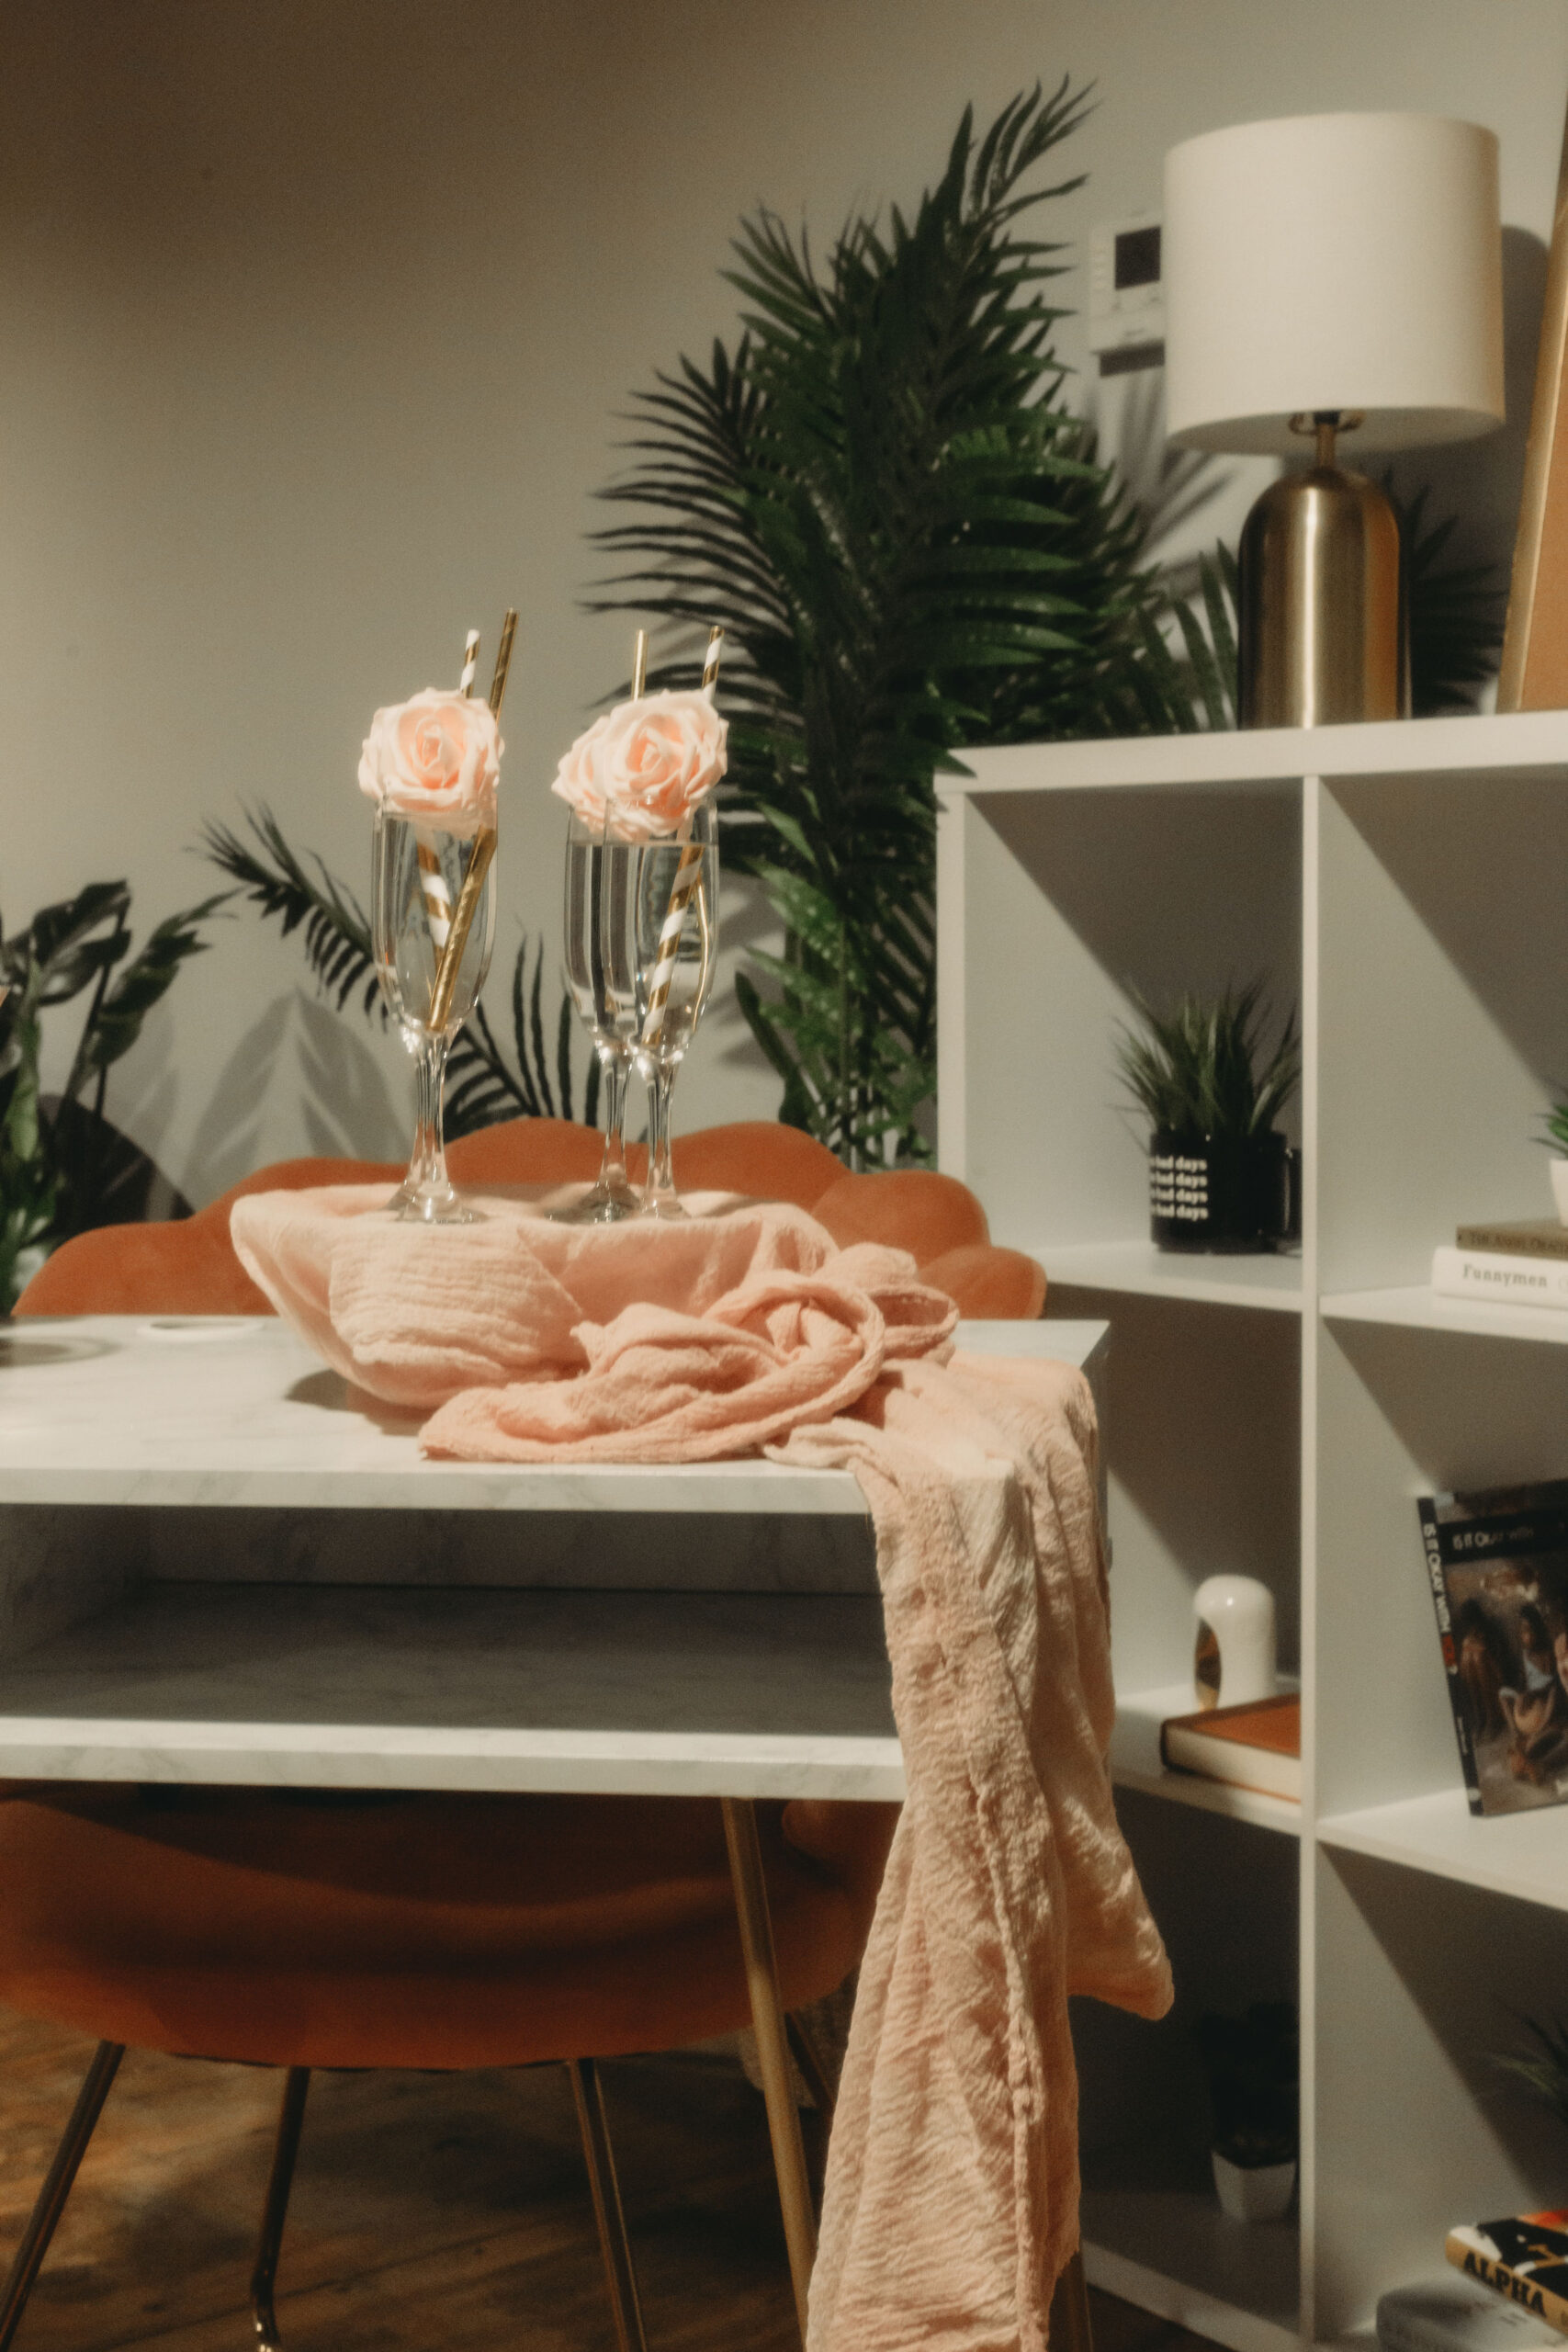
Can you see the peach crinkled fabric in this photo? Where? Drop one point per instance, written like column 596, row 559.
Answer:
column 415, row 1317
column 952, row 2193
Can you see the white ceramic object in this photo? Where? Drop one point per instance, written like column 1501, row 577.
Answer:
column 1252, row 2192
column 1239, row 1611
column 1560, row 1186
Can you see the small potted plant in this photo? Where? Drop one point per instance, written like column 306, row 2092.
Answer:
column 1221, row 1175
column 1556, row 1140
column 1253, row 2068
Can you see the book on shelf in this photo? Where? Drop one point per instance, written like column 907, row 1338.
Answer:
column 1497, row 1562
column 1458, row 2315
column 1524, row 2257
column 1531, row 1237
column 1258, row 1746
column 1516, row 1278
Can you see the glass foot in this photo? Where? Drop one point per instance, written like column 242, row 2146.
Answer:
column 432, row 1204
column 606, row 1205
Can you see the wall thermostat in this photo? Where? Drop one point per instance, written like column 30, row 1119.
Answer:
column 1127, row 300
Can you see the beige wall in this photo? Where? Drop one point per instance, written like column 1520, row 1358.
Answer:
column 314, row 320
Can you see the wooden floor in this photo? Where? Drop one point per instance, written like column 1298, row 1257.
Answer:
column 429, row 2211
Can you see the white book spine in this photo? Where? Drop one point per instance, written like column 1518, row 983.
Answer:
column 1506, row 1279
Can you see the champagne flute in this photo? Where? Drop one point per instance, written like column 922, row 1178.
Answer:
column 587, row 855
column 660, row 912
column 417, row 879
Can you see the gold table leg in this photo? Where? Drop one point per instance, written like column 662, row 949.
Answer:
column 772, row 2045
column 1070, row 2327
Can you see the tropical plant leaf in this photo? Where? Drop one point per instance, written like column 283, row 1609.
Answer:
column 62, row 1166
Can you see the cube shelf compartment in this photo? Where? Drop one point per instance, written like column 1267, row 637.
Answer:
column 1405, row 887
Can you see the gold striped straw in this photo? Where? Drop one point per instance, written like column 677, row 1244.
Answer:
column 502, row 661
column 470, row 664
column 479, row 858
column 688, row 880
column 639, row 665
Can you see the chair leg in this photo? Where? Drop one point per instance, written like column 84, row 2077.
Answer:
column 275, row 2212
column 50, row 2200
column 808, row 2058
column 613, row 2244
column 1070, row 2328
column 772, row 2045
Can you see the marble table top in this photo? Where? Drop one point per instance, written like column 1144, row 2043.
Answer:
column 237, row 1410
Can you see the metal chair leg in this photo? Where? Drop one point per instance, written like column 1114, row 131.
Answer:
column 613, row 2244
column 275, row 2212
column 808, row 2058
column 1070, row 2327
column 773, row 2046
column 51, row 2201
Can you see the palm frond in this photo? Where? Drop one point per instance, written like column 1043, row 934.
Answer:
column 879, row 490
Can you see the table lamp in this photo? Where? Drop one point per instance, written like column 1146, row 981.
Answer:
column 1326, row 274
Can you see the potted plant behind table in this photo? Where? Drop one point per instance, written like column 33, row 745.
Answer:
column 1222, row 1176
column 1253, row 2066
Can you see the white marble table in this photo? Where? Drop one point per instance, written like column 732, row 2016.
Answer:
column 216, row 1565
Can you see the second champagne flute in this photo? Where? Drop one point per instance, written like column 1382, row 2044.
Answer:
column 613, row 1196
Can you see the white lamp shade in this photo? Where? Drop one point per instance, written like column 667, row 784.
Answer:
column 1332, row 261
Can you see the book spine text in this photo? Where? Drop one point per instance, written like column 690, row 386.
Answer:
column 1450, row 1651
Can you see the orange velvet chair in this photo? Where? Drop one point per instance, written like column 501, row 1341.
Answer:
column 322, row 1928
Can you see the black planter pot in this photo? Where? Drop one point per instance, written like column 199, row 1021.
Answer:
column 1221, row 1193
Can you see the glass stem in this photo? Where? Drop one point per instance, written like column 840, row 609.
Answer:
column 613, row 1167
column 660, row 1171
column 427, row 1168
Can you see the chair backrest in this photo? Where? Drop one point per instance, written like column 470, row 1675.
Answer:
column 189, row 1267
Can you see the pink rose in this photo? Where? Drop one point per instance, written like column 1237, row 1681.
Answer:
column 645, row 765
column 436, row 760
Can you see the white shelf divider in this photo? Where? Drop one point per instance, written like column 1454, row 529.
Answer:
column 1417, row 1307
column 1520, row 1854
column 1267, row 1280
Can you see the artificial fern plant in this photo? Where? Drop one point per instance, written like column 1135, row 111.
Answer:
column 1204, row 1068
column 883, row 494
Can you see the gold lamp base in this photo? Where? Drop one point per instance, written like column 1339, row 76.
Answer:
column 1322, row 636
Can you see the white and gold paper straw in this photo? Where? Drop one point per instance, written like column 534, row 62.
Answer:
column 479, row 858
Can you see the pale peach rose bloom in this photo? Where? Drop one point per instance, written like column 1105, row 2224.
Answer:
column 645, row 765
column 436, row 760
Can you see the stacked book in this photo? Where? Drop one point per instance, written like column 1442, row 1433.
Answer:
column 1254, row 1746
column 1511, row 2293
column 1513, row 1264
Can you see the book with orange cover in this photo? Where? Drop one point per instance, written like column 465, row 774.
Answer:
column 1254, row 1746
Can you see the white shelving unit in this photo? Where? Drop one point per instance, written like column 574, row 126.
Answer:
column 1405, row 887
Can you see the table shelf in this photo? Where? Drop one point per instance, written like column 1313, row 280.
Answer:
column 676, row 1694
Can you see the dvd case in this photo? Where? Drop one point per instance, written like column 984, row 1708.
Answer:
column 1497, row 1561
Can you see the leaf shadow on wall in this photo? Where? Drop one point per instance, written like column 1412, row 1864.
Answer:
column 347, row 1108
column 332, row 1088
